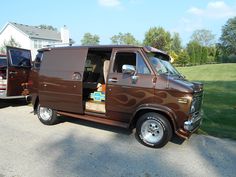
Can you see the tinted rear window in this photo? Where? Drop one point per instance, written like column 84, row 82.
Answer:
column 20, row 57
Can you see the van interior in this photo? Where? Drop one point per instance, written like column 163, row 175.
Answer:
column 95, row 79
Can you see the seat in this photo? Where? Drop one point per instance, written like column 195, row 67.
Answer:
column 106, row 69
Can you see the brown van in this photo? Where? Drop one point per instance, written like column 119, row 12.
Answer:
column 15, row 67
column 125, row 86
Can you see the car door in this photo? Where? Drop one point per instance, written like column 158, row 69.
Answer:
column 60, row 79
column 126, row 92
column 18, row 69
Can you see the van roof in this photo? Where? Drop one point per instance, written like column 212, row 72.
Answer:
column 90, row 46
column 147, row 49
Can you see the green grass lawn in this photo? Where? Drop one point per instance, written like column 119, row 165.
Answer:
column 219, row 104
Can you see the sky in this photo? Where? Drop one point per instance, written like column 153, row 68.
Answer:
column 109, row 17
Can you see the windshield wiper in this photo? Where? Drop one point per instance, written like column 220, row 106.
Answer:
column 172, row 74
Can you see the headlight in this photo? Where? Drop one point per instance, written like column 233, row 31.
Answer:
column 193, row 106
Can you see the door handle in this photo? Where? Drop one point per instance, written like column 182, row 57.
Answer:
column 13, row 72
column 112, row 80
column 76, row 76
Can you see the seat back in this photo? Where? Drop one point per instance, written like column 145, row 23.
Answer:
column 105, row 69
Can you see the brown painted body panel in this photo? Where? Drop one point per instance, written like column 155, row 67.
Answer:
column 16, row 77
column 33, row 84
column 60, row 79
column 123, row 97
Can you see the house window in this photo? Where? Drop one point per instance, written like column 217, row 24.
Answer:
column 37, row 44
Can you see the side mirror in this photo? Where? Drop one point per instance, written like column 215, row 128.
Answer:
column 128, row 69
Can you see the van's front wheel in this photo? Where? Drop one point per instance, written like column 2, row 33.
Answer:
column 153, row 130
column 46, row 115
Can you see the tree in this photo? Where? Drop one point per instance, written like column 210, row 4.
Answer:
column 228, row 37
column 89, row 39
column 126, row 38
column 213, row 54
column 183, row 58
column 191, row 52
column 194, row 50
column 49, row 27
column 198, row 53
column 176, row 43
column 204, row 57
column 12, row 42
column 159, row 38
column 203, row 37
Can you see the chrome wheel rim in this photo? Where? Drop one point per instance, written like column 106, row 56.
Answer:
column 45, row 113
column 152, row 131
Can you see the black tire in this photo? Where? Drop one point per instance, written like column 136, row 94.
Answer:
column 51, row 119
column 153, row 130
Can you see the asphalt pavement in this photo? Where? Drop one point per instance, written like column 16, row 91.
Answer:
column 84, row 149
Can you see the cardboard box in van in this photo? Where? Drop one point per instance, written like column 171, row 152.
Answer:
column 125, row 86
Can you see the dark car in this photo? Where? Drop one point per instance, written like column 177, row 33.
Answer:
column 125, row 86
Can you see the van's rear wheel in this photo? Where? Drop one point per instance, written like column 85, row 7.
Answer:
column 153, row 130
column 46, row 115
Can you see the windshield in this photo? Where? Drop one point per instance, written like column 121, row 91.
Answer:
column 161, row 65
column 3, row 62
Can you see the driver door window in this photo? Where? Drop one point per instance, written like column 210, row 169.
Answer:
column 129, row 58
column 124, row 58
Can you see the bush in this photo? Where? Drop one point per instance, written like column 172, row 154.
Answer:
column 232, row 59
column 228, row 59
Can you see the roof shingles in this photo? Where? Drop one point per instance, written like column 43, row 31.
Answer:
column 36, row 32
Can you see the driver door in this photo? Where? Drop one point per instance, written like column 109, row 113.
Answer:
column 126, row 92
column 19, row 66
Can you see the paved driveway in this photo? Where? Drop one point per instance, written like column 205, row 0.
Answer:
column 80, row 148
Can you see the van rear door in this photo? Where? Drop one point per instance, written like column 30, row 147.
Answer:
column 19, row 66
column 61, row 79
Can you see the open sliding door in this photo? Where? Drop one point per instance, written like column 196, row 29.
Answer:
column 61, row 79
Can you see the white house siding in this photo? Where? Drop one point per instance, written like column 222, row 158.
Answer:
column 40, row 44
column 19, row 37
column 28, row 41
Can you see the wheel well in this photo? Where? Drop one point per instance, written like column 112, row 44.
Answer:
column 143, row 111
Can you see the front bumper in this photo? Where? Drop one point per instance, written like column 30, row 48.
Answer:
column 190, row 126
column 193, row 123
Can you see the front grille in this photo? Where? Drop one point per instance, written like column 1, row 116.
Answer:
column 198, row 103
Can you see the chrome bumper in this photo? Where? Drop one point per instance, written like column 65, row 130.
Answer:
column 3, row 95
column 193, row 123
